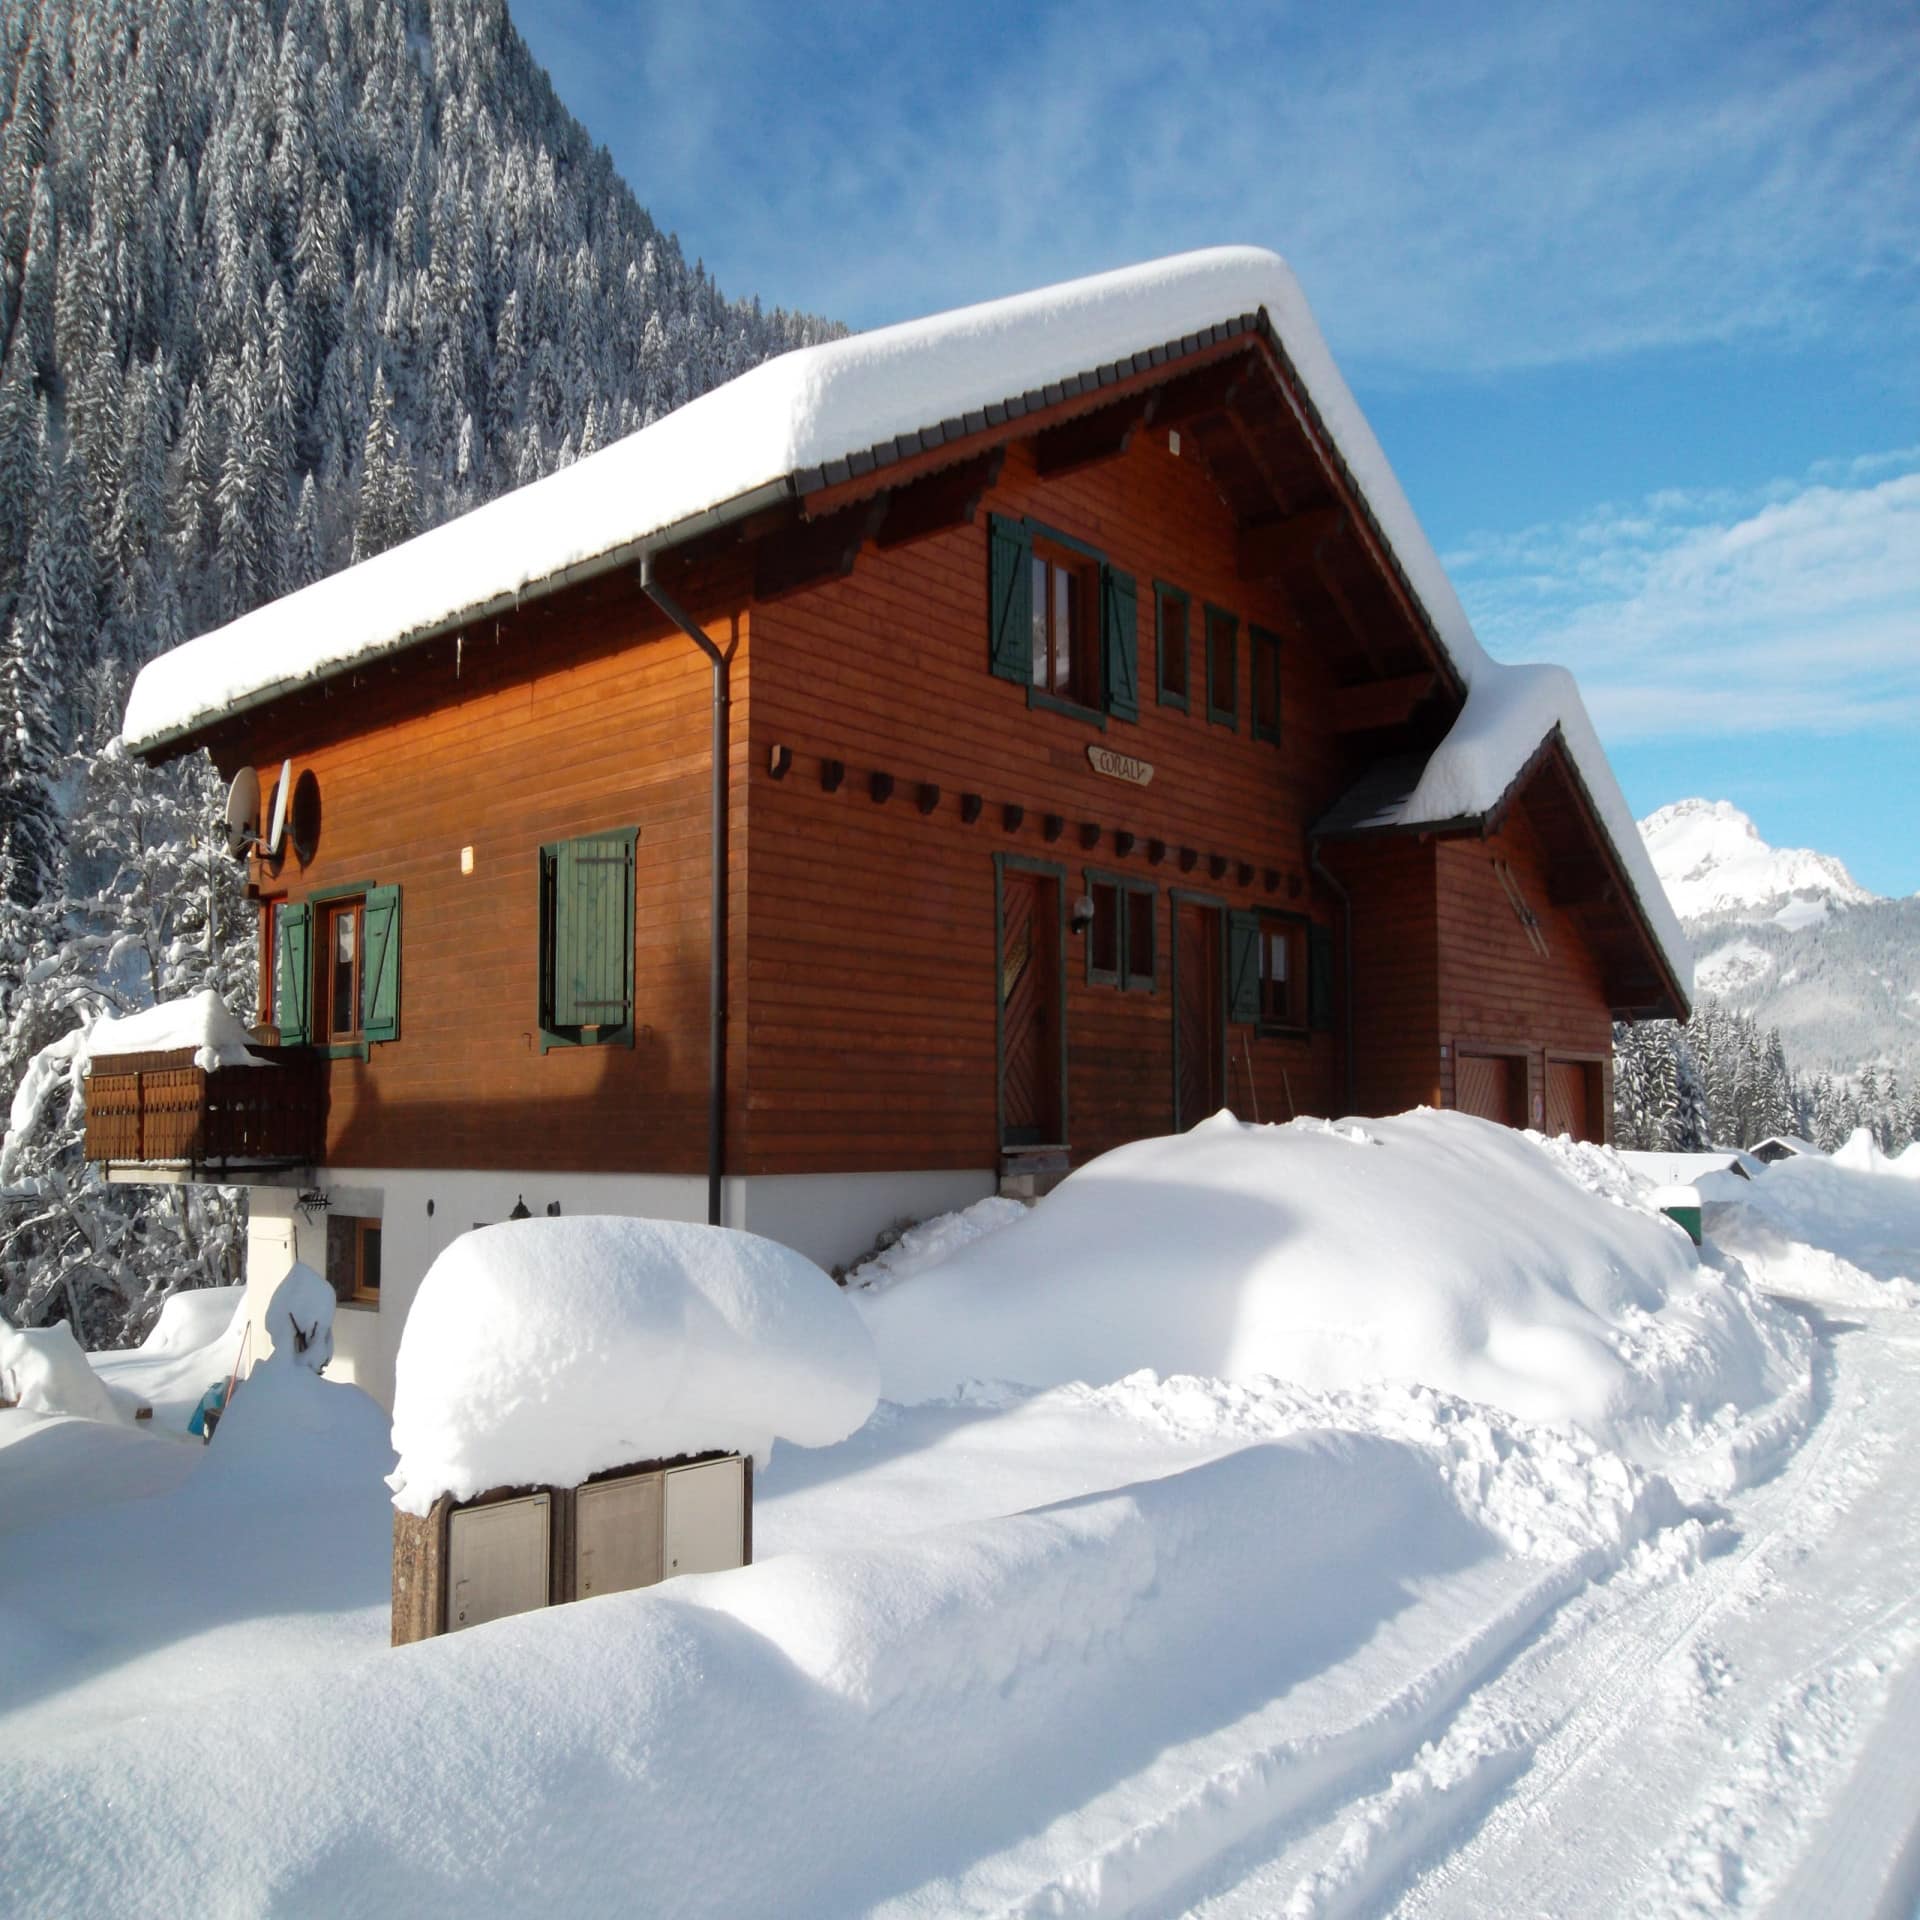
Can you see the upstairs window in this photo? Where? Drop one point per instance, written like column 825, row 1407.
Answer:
column 336, row 968
column 586, row 941
column 1172, row 611
column 1265, row 648
column 1066, row 600
column 1061, row 621
column 1223, row 667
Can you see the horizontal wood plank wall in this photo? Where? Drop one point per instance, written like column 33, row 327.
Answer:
column 577, row 714
column 1396, row 966
column 1494, row 987
column 872, row 978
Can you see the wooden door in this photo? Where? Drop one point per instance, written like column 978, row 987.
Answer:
column 1032, row 1031
column 1573, row 1104
column 1493, row 1085
column 1199, row 1015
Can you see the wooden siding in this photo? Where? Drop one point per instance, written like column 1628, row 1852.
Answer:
column 1497, row 991
column 871, row 977
column 580, row 714
column 1396, row 967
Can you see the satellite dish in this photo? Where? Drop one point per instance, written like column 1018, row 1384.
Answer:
column 277, row 833
column 243, row 812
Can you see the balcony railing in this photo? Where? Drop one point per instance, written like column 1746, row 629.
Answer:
column 159, row 1109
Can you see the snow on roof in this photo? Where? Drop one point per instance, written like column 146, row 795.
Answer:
column 818, row 407
column 538, row 1352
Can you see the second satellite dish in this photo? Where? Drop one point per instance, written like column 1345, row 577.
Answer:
column 282, row 793
column 243, row 812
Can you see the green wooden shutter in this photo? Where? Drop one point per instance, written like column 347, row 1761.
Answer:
column 292, row 945
column 1243, row 968
column 1010, row 586
column 1119, row 629
column 593, row 933
column 380, row 968
column 1320, row 978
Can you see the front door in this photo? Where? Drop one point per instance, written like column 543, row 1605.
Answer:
column 1199, row 1014
column 1032, row 1036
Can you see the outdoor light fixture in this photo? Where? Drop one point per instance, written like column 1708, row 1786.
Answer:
column 1082, row 915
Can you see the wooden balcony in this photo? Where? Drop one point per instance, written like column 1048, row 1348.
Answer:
column 159, row 1110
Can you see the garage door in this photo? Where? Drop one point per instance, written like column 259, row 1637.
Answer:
column 1493, row 1085
column 1573, row 1104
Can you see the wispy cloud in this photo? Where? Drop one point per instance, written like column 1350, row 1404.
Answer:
column 1532, row 185
column 1795, row 608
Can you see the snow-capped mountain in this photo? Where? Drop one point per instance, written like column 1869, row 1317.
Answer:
column 1715, row 866
column 1789, row 937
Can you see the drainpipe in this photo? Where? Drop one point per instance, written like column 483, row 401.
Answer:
column 717, row 908
column 1346, row 960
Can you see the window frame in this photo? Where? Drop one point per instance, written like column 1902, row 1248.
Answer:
column 319, row 910
column 1164, row 593
column 346, row 1262
column 1125, row 976
column 1223, row 629
column 602, row 1034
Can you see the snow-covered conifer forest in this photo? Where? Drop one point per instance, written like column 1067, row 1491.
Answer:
column 281, row 281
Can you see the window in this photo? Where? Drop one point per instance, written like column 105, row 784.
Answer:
column 1171, row 609
column 1065, row 602
column 1283, row 974
column 1279, row 973
column 1120, row 936
column 586, row 941
column 1062, row 622
column 336, row 968
column 353, row 1259
column 1223, row 667
column 1265, row 649
column 341, row 940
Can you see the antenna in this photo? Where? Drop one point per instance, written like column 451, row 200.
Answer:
column 277, row 833
column 243, row 812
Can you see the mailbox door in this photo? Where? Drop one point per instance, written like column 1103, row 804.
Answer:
column 496, row 1560
column 616, row 1535
column 706, row 1516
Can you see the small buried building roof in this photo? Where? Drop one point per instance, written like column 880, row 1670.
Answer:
column 826, row 414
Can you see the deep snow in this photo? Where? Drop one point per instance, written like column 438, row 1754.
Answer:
column 1208, row 1642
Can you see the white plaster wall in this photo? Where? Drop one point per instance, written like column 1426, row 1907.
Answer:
column 830, row 1218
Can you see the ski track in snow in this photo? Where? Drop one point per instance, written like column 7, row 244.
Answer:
column 1753, row 1674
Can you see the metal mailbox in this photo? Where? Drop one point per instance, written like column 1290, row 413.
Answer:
column 706, row 1516
column 617, row 1534
column 497, row 1559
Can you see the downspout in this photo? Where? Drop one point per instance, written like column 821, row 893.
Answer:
column 717, row 906
column 1346, row 961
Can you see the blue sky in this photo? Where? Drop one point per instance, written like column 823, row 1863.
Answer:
column 1631, row 294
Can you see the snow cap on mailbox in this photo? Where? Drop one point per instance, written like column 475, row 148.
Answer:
column 540, row 1352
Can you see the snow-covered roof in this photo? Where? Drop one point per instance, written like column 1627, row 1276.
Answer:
column 828, row 411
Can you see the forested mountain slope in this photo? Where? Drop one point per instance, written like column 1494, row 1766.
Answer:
column 281, row 281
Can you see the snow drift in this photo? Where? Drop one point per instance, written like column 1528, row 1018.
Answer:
column 542, row 1351
column 1432, row 1247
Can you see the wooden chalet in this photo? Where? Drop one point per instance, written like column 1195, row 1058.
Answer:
column 921, row 765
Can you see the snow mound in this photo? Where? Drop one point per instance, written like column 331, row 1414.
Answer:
column 192, row 1319
column 930, row 1241
column 1843, row 1230
column 542, row 1351
column 1432, row 1248
column 202, row 1021
column 299, row 1321
column 43, row 1370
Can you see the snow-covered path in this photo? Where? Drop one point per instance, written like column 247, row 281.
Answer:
column 1732, row 1723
